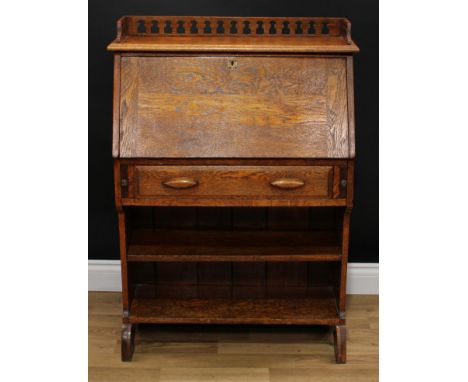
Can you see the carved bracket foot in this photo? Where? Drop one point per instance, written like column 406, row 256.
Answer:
column 128, row 342
column 339, row 335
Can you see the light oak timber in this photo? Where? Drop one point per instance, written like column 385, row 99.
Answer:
column 243, row 181
column 233, row 146
column 116, row 109
column 198, row 107
column 232, row 202
column 208, row 44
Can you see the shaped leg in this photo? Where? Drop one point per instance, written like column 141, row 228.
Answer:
column 128, row 342
column 339, row 335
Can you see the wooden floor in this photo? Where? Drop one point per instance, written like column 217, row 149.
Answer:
column 231, row 353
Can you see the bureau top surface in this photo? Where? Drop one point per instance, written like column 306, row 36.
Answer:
column 233, row 34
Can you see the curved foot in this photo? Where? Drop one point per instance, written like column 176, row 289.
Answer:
column 339, row 335
column 128, row 342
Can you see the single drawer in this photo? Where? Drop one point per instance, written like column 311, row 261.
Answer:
column 233, row 181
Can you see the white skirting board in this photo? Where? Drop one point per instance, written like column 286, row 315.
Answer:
column 104, row 276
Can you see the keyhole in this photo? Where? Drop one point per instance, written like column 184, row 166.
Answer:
column 232, row 64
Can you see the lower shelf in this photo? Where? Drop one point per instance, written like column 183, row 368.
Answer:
column 320, row 309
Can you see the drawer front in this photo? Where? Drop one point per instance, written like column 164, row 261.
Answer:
column 233, row 181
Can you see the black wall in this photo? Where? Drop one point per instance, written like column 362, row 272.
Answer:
column 103, row 242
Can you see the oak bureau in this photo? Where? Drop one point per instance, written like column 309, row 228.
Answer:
column 233, row 146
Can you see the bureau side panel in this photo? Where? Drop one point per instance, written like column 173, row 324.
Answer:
column 350, row 86
column 234, row 107
column 116, row 108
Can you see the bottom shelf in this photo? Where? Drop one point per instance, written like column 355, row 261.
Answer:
column 319, row 309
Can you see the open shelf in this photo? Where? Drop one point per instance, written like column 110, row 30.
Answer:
column 275, row 266
column 233, row 245
column 316, row 306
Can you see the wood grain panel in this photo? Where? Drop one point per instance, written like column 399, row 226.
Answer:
column 321, row 311
column 116, row 111
column 234, row 107
column 129, row 86
column 219, row 181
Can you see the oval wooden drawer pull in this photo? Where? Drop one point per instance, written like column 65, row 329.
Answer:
column 180, row 183
column 287, row 183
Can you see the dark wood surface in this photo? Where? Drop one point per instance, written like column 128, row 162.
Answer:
column 239, row 281
column 221, row 26
column 230, row 185
column 241, row 246
column 207, row 117
column 233, row 201
column 200, row 181
column 339, row 336
column 201, row 107
column 233, row 162
column 319, row 308
column 127, row 342
column 247, row 34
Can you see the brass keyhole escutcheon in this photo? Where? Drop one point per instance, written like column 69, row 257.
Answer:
column 232, row 64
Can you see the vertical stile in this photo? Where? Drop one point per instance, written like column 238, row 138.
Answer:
column 148, row 26
column 186, row 26
column 333, row 28
column 318, row 25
